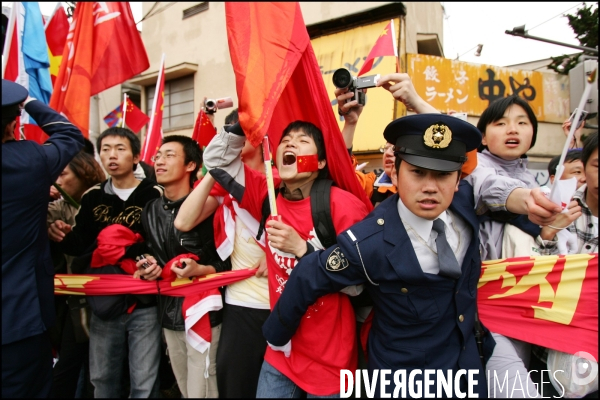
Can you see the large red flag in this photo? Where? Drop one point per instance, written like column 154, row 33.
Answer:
column 104, row 49
column 278, row 81
column 154, row 134
column 384, row 46
column 204, row 130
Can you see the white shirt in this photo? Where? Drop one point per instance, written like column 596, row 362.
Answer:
column 122, row 193
column 422, row 237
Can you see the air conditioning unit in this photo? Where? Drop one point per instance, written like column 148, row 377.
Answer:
column 577, row 81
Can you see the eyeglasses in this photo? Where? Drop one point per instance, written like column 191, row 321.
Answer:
column 168, row 156
column 387, row 147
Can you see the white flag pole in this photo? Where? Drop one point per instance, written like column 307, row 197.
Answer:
column 586, row 93
column 124, row 110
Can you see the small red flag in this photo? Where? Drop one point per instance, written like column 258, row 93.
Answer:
column 384, row 46
column 307, row 163
column 154, row 134
column 204, row 130
column 134, row 117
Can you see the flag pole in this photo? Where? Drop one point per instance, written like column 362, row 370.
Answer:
column 124, row 109
column 269, row 174
column 395, row 38
column 9, row 34
column 154, row 103
column 586, row 93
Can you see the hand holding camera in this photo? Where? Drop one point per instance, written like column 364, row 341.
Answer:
column 211, row 105
column 342, row 79
column 401, row 87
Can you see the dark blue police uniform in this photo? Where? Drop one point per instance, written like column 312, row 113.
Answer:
column 28, row 171
column 420, row 320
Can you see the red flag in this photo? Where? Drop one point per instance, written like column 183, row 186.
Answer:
column 204, row 130
column 308, row 163
column 278, row 81
column 104, row 49
column 384, row 46
column 548, row 301
column 57, row 28
column 134, row 117
column 154, row 134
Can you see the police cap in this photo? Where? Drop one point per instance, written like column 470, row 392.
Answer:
column 432, row 141
column 12, row 93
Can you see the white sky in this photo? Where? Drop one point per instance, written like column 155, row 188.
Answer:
column 468, row 24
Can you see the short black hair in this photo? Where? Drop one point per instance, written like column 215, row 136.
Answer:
column 572, row 155
column 9, row 114
column 232, row 117
column 134, row 142
column 192, row 152
column 589, row 145
column 496, row 110
column 88, row 146
column 312, row 131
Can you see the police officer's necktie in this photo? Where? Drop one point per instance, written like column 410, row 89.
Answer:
column 448, row 265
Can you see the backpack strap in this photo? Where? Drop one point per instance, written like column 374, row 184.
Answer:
column 320, row 197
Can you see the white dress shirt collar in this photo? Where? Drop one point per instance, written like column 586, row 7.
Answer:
column 420, row 225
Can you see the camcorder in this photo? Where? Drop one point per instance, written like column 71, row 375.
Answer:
column 342, row 79
column 211, row 105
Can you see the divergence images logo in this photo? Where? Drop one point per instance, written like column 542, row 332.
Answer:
column 584, row 371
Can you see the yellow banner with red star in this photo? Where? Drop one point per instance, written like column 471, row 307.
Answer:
column 551, row 301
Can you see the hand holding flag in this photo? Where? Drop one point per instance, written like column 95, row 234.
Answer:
column 204, row 130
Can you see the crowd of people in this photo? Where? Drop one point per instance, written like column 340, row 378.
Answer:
column 337, row 286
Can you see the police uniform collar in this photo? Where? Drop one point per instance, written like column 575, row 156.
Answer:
column 420, row 225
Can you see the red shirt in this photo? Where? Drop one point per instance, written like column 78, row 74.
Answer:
column 325, row 341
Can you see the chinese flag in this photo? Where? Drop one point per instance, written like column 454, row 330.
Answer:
column 104, row 49
column 154, row 134
column 57, row 29
column 384, row 46
column 204, row 130
column 278, row 81
column 307, row 163
column 134, row 117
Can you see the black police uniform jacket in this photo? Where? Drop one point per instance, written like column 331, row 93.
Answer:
column 420, row 321
column 165, row 242
column 28, row 171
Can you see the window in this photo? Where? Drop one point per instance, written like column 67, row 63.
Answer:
column 178, row 111
column 198, row 8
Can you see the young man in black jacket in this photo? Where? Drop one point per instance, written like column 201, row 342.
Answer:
column 118, row 200
column 176, row 164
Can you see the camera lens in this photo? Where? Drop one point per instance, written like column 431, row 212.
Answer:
column 210, row 103
column 342, row 78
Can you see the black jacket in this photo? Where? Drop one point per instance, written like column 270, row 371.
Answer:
column 165, row 242
column 101, row 207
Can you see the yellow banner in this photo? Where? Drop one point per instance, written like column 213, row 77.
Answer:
column 348, row 49
column 463, row 87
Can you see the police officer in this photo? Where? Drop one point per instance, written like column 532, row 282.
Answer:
column 418, row 256
column 28, row 171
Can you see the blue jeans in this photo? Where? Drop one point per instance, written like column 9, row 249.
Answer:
column 273, row 384
column 109, row 340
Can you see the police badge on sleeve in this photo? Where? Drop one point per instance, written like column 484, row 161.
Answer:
column 336, row 261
